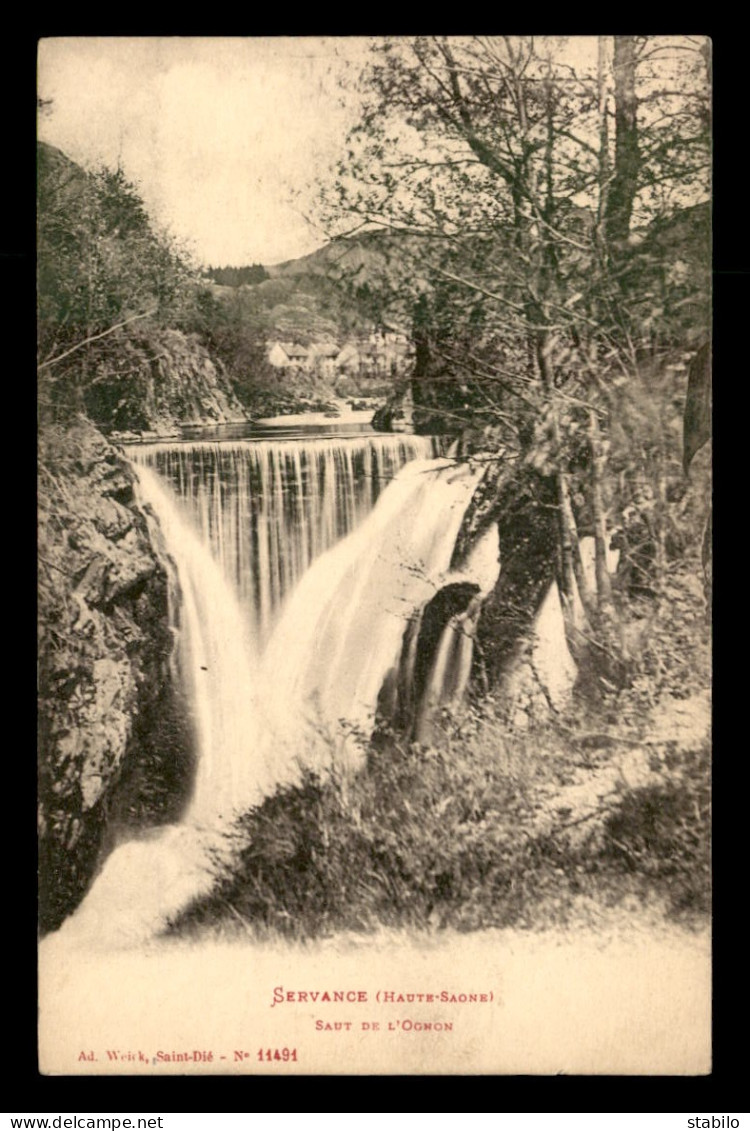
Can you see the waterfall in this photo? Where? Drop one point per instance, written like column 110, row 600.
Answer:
column 342, row 631
column 418, row 695
column 268, row 509
column 449, row 673
column 286, row 669
column 242, row 522
column 217, row 662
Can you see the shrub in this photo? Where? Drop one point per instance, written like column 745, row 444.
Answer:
column 661, row 833
column 450, row 836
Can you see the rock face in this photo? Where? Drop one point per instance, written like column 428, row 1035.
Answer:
column 155, row 381
column 112, row 750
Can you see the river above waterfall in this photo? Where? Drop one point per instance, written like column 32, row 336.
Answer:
column 345, row 422
column 300, row 426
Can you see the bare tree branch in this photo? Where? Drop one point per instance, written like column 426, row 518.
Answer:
column 96, row 337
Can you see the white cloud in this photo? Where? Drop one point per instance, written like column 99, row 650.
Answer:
column 220, row 134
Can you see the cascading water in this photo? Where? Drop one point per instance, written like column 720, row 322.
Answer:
column 449, row 671
column 343, row 628
column 217, row 662
column 284, row 632
column 268, row 509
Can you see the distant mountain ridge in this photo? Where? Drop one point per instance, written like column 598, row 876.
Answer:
column 333, row 293
column 345, row 255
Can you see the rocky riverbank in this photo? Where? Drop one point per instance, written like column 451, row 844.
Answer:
column 111, row 749
column 156, row 381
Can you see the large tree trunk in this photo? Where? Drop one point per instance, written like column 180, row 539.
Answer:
column 623, row 186
column 572, row 572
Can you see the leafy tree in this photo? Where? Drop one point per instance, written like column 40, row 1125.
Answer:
column 541, row 194
column 234, row 333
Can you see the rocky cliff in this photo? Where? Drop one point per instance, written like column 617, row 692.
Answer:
column 112, row 752
column 155, row 381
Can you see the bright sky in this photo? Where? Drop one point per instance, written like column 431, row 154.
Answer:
column 224, row 137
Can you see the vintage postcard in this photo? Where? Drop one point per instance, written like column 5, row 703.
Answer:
column 374, row 386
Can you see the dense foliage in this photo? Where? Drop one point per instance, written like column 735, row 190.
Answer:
column 470, row 832
column 101, row 268
column 109, row 287
column 237, row 276
column 551, row 203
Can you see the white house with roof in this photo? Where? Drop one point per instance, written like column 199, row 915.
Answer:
column 300, row 356
column 278, row 356
column 373, row 355
column 289, row 355
column 348, row 359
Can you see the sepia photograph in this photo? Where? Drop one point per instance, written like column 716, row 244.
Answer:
column 374, row 555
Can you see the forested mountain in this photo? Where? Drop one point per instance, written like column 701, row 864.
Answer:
column 336, row 292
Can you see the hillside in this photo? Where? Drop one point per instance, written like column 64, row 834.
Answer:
column 319, row 327
column 339, row 291
column 363, row 255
